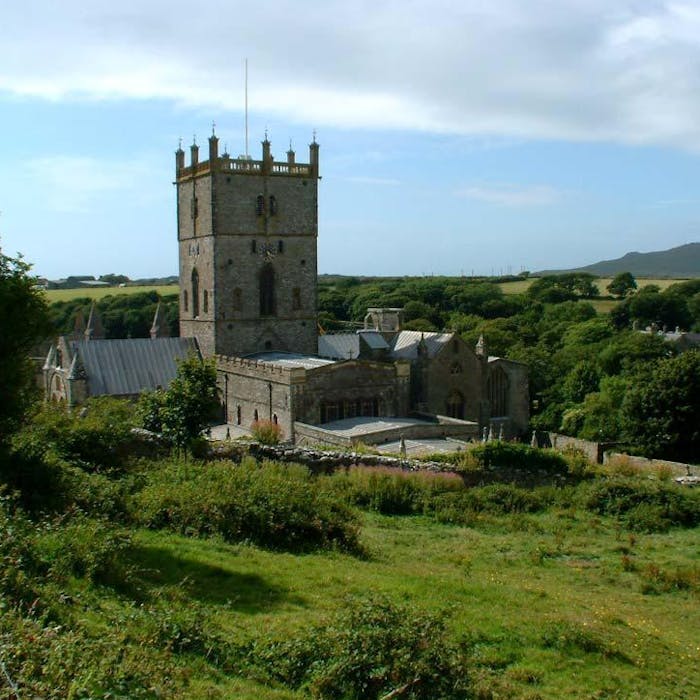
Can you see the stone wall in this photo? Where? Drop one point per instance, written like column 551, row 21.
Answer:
column 653, row 465
column 317, row 435
column 595, row 451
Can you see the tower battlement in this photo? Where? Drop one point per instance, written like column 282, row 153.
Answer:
column 243, row 165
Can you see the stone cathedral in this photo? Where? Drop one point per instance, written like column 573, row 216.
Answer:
column 247, row 237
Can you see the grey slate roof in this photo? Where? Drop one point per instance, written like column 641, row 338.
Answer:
column 374, row 339
column 405, row 344
column 340, row 346
column 128, row 367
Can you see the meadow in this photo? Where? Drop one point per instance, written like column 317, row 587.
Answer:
column 186, row 579
column 54, row 295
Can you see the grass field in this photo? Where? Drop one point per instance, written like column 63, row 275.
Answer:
column 54, row 295
column 521, row 286
column 556, row 605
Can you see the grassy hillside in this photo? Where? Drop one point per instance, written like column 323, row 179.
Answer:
column 54, row 295
column 680, row 262
column 147, row 581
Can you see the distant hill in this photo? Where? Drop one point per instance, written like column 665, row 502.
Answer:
column 680, row 262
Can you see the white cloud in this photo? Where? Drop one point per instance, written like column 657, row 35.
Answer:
column 511, row 195
column 72, row 184
column 567, row 69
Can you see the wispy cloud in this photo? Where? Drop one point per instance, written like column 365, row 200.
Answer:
column 509, row 195
column 72, row 184
column 579, row 70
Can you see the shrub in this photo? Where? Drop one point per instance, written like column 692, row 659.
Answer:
column 281, row 507
column 389, row 491
column 373, row 649
column 519, row 456
column 95, row 437
column 266, row 432
column 75, row 545
column 649, row 506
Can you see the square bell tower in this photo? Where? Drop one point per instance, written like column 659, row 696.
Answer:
column 247, row 234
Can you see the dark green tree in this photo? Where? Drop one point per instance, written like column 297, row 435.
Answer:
column 24, row 321
column 622, row 284
column 661, row 411
column 183, row 411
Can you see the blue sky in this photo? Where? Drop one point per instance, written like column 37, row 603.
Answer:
column 456, row 137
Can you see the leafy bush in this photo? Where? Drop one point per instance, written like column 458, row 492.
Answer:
column 389, row 491
column 19, row 565
column 266, row 432
column 518, row 456
column 373, row 649
column 75, row 545
column 95, row 437
column 281, row 507
column 649, row 506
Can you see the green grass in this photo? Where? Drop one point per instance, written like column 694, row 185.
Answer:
column 554, row 604
column 521, row 286
column 54, row 295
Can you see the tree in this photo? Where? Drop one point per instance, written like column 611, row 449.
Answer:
column 24, row 321
column 622, row 284
column 661, row 412
column 183, row 411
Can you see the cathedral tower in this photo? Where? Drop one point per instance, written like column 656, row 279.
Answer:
column 247, row 232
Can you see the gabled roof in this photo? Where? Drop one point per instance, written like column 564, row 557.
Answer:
column 128, row 367
column 374, row 339
column 339, row 346
column 405, row 344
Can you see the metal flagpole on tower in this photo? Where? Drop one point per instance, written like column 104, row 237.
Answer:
column 246, row 109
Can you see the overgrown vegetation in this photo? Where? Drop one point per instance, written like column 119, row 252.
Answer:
column 141, row 578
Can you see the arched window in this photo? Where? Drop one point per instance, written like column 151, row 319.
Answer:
column 195, row 293
column 253, row 246
column 255, row 416
column 455, row 405
column 497, row 391
column 184, row 300
column 267, row 290
column 280, row 246
column 237, row 299
column 274, row 418
column 205, row 301
column 273, row 205
column 456, row 368
column 238, row 415
column 296, row 298
column 260, row 205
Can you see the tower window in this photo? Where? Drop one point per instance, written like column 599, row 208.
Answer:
column 253, row 246
column 259, row 205
column 456, row 368
column 296, row 298
column 184, row 300
column 237, row 299
column 280, row 246
column 195, row 293
column 194, row 209
column 205, row 301
column 273, row 205
column 267, row 290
